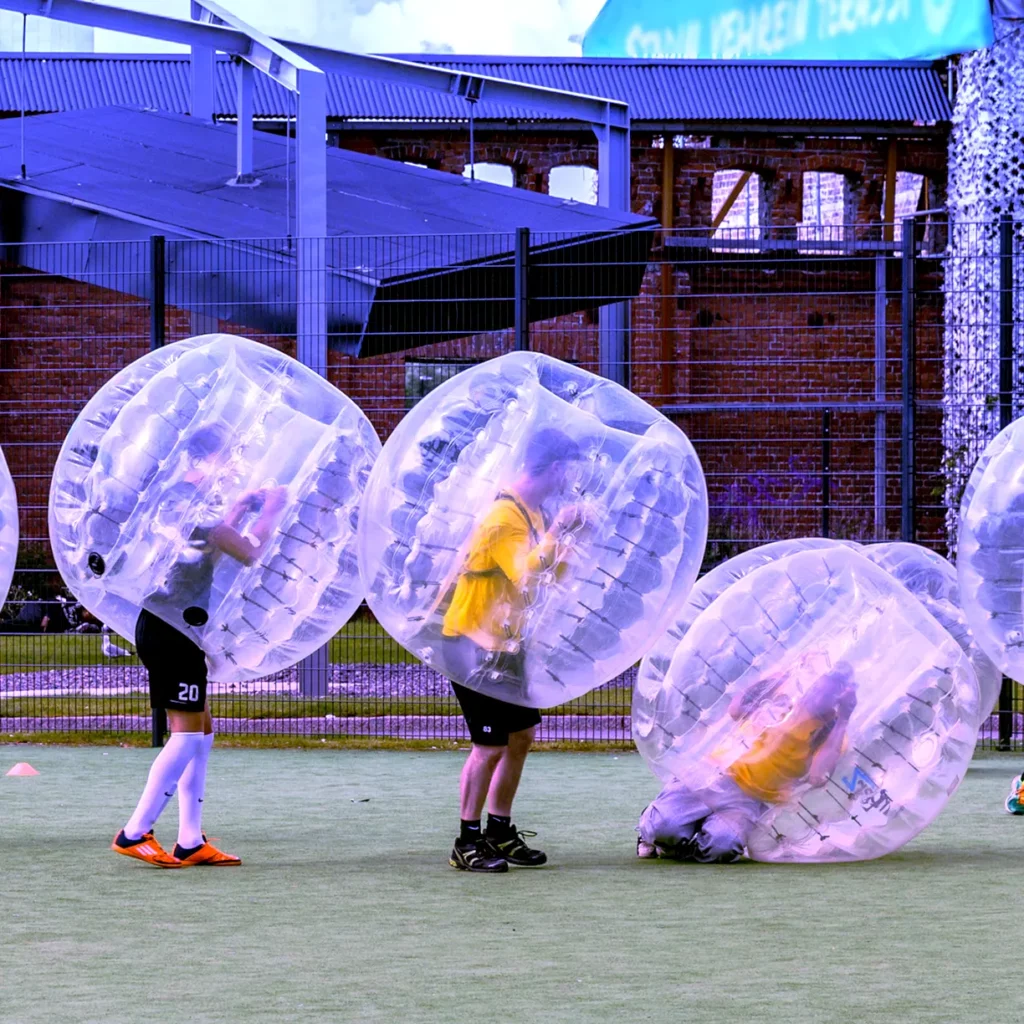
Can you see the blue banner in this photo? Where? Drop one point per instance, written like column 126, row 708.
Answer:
column 807, row 30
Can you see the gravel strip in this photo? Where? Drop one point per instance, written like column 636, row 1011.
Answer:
column 365, row 679
column 578, row 728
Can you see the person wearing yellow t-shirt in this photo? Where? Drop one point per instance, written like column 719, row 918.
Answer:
column 482, row 638
column 802, row 747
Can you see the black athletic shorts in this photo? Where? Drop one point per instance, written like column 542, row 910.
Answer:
column 491, row 720
column 176, row 665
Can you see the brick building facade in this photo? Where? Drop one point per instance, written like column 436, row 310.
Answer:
column 771, row 326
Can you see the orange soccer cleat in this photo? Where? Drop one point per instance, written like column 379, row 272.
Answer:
column 146, row 849
column 206, row 855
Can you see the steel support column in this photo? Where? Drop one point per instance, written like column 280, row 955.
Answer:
column 157, row 339
column 1005, row 717
column 826, row 472
column 157, row 291
column 908, row 474
column 243, row 143
column 613, row 181
column 881, row 262
column 201, row 77
column 311, row 267
column 522, row 290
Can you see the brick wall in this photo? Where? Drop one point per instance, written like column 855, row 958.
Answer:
column 733, row 328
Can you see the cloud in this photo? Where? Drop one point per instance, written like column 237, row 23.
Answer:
column 537, row 27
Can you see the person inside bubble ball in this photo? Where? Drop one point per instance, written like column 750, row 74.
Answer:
column 796, row 743
column 510, row 553
column 176, row 665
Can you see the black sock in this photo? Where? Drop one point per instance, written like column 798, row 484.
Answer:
column 499, row 824
column 470, row 830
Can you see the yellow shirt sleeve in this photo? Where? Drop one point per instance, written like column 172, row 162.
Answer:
column 503, row 542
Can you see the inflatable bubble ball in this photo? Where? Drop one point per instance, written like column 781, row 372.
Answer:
column 817, row 710
column 216, row 483
column 990, row 551
column 8, row 529
column 933, row 581
column 705, row 590
column 530, row 527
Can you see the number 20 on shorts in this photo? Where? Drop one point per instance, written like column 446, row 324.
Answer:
column 188, row 693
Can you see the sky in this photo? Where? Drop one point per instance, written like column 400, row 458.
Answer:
column 533, row 27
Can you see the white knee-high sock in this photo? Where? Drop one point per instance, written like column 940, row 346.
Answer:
column 164, row 774
column 191, row 790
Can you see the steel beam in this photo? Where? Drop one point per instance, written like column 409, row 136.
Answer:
column 116, row 19
column 274, row 59
column 573, row 106
column 215, row 32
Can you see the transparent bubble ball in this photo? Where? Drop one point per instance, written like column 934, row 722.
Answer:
column 8, row 528
column 990, row 551
column 820, row 629
column 933, row 580
column 216, row 483
column 530, row 528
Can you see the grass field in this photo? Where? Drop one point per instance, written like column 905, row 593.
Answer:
column 357, row 642
column 346, row 909
column 613, row 700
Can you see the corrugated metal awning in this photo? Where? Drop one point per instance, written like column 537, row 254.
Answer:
column 658, row 92
column 414, row 256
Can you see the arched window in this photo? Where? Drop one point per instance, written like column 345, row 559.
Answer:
column 576, row 182
column 911, row 198
column 737, row 199
column 826, row 211
column 496, row 174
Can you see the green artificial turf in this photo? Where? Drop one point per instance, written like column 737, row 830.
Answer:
column 615, row 700
column 346, row 909
column 357, row 642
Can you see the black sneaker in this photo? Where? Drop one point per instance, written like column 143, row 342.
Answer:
column 511, row 846
column 477, row 855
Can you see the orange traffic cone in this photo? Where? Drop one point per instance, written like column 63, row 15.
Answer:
column 23, row 768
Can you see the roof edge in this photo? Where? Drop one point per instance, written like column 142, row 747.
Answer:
column 450, row 58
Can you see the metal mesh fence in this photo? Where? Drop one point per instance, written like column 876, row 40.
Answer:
column 811, row 371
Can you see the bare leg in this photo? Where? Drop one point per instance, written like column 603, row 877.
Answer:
column 475, row 781
column 509, row 771
column 190, row 721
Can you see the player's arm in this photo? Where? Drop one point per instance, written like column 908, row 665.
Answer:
column 827, row 755
column 523, row 564
column 746, row 700
column 227, row 537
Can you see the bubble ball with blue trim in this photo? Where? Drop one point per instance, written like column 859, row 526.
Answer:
column 814, row 710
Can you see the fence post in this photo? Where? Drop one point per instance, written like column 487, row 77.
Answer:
column 159, row 727
column 157, row 290
column 157, row 339
column 826, row 472
column 909, row 360
column 1005, row 419
column 522, row 295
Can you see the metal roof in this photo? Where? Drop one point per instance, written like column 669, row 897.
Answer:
column 657, row 91
column 416, row 255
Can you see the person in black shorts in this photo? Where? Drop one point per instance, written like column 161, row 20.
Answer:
column 510, row 550
column 176, row 665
